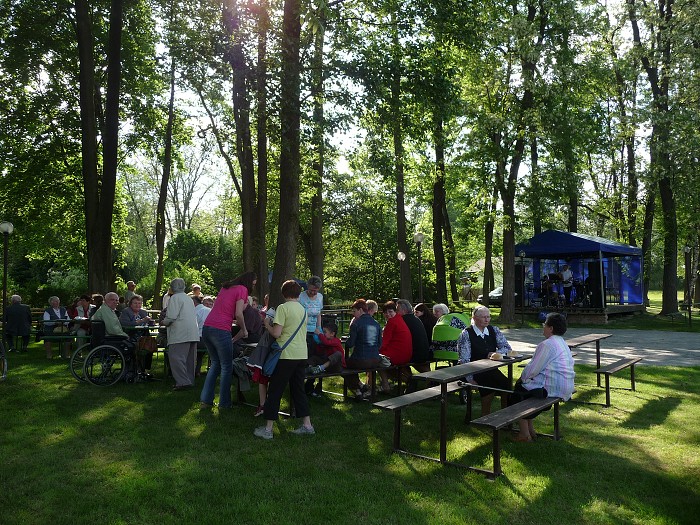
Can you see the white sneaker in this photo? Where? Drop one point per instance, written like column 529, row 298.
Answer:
column 263, row 432
column 304, row 430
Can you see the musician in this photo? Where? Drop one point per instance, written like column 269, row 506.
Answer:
column 567, row 280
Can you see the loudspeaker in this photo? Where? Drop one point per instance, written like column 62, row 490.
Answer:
column 519, row 278
column 593, row 281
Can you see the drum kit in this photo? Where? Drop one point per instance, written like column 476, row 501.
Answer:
column 551, row 296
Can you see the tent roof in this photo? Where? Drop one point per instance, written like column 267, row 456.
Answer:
column 555, row 244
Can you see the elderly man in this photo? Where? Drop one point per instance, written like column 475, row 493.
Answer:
column 479, row 341
column 183, row 335
column 107, row 313
column 130, row 291
column 18, row 322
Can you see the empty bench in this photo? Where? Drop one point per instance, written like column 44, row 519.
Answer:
column 507, row 416
column 616, row 367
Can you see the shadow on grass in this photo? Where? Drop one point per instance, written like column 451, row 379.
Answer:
column 654, row 412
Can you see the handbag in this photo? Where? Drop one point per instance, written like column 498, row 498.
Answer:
column 147, row 344
column 276, row 351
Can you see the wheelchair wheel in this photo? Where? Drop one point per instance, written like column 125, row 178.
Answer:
column 104, row 365
column 77, row 361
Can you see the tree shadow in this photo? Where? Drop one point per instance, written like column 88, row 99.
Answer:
column 654, row 412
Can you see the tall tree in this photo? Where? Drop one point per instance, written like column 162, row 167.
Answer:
column 656, row 59
column 288, row 223
column 99, row 187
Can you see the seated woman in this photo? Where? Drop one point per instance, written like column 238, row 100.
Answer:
column 550, row 373
column 365, row 340
column 397, row 343
column 132, row 317
column 426, row 317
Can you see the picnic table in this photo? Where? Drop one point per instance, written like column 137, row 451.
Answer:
column 582, row 340
column 446, row 378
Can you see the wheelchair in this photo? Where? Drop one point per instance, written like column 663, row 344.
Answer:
column 104, row 360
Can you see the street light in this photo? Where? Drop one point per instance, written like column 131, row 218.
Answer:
column 6, row 228
column 688, row 299
column 418, row 239
column 522, row 287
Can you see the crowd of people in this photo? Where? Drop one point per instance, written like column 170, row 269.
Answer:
column 308, row 344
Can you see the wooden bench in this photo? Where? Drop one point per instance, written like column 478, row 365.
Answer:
column 616, row 367
column 504, row 418
column 396, row 404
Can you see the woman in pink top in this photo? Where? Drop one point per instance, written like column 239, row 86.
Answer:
column 216, row 334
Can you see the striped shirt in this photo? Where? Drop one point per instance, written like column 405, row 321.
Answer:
column 551, row 368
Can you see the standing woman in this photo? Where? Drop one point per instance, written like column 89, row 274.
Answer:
column 183, row 335
column 287, row 328
column 216, row 334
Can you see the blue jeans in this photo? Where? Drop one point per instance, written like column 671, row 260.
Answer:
column 220, row 347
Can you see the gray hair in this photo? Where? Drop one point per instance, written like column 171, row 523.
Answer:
column 440, row 309
column 16, row 299
column 54, row 298
column 177, row 285
column 314, row 280
column 404, row 305
column 477, row 311
column 111, row 294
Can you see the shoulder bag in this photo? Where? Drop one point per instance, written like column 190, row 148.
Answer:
column 276, row 350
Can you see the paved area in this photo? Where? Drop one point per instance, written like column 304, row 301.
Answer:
column 655, row 347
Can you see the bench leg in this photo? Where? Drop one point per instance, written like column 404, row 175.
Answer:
column 632, row 376
column 468, row 415
column 557, row 437
column 496, row 453
column 397, row 429
column 607, row 390
column 443, row 423
column 597, row 360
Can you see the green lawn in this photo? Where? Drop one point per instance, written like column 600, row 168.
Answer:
column 75, row 453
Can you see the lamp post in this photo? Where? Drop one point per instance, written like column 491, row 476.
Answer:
column 418, row 239
column 401, row 257
column 6, row 228
column 688, row 300
column 522, row 287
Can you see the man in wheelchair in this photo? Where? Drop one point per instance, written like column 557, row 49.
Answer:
column 107, row 313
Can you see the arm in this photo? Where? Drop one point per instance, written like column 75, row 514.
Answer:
column 502, row 345
column 464, row 350
column 353, row 335
column 127, row 318
column 172, row 312
column 240, row 321
column 538, row 362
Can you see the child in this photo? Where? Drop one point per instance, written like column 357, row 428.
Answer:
column 329, row 356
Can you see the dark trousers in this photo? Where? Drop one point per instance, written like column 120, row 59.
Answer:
column 287, row 371
column 11, row 341
column 354, row 380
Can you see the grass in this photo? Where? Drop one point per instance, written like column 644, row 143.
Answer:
column 73, row 453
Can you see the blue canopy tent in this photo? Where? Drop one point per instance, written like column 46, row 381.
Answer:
column 605, row 272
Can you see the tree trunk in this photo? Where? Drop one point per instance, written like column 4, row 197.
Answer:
column 438, row 205
column 288, row 224
column 259, row 229
column 241, row 115
column 488, row 283
column 660, row 159
column 158, row 288
column 99, row 191
column 317, row 94
column 397, row 135
column 649, row 212
column 88, row 125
